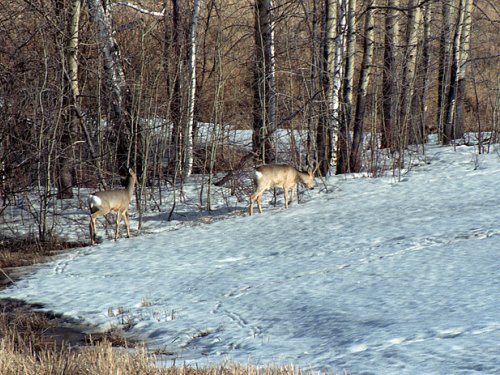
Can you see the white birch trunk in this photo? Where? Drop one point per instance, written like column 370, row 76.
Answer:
column 188, row 129
column 344, row 138
column 462, row 63
column 112, row 66
column 328, row 120
column 453, row 127
column 364, row 80
column 350, row 51
column 65, row 180
column 115, row 84
column 419, row 105
column 413, row 32
column 390, row 74
column 73, row 48
column 271, row 76
column 465, row 37
column 264, row 122
column 337, row 71
column 445, row 60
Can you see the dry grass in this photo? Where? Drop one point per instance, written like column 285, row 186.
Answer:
column 98, row 359
column 103, row 359
column 22, row 353
column 34, row 343
column 25, row 252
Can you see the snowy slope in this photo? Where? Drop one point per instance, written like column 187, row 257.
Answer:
column 376, row 276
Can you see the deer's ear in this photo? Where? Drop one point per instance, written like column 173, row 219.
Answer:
column 314, row 168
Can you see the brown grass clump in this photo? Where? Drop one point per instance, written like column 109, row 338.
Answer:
column 18, row 253
column 98, row 359
column 25, row 252
column 103, row 359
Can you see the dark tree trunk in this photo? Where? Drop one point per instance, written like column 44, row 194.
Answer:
column 390, row 75
column 364, row 78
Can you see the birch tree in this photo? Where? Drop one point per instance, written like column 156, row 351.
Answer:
column 463, row 64
column 344, row 137
column 419, row 105
column 65, row 161
column 115, row 84
column 406, row 123
column 173, row 75
column 453, row 125
column 445, row 58
column 362, row 91
column 264, row 104
column 390, row 74
column 327, row 135
column 73, row 41
column 188, row 129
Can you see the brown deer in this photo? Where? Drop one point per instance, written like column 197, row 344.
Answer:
column 117, row 200
column 277, row 175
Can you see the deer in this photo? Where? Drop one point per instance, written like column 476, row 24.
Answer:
column 277, row 175
column 117, row 200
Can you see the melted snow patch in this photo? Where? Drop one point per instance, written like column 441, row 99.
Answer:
column 359, row 348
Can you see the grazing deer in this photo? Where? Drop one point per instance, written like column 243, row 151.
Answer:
column 118, row 200
column 277, row 175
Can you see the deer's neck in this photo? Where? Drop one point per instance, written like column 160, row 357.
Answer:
column 130, row 187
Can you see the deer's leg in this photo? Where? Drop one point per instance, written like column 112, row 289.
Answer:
column 250, row 207
column 257, row 196
column 259, row 201
column 286, row 196
column 92, row 226
column 118, row 219
column 92, row 230
column 127, row 224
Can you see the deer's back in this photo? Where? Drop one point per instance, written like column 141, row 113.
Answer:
column 276, row 175
column 114, row 199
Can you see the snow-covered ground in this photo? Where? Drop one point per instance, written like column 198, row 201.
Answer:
column 371, row 275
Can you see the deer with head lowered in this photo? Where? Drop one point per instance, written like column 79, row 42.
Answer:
column 117, row 200
column 277, row 175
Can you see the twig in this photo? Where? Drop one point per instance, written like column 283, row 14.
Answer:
column 7, row 276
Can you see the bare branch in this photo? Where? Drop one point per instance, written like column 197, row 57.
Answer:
column 139, row 9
